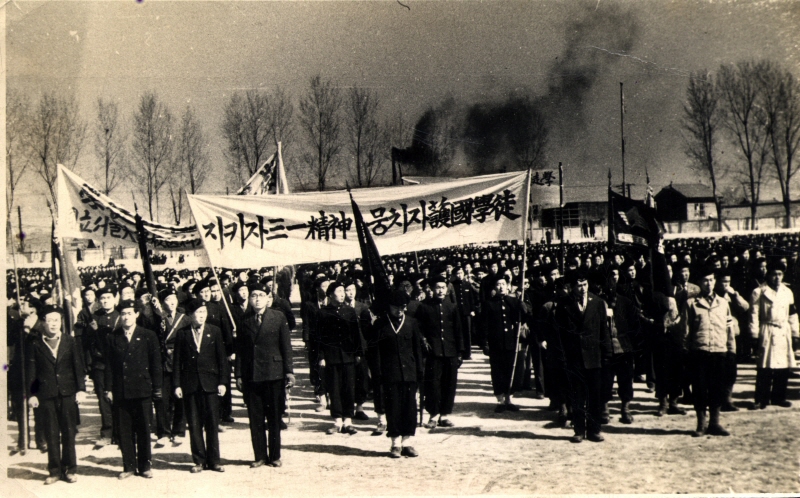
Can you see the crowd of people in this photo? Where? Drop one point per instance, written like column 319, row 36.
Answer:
column 566, row 323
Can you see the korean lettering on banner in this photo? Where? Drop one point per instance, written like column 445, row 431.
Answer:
column 97, row 220
column 430, row 215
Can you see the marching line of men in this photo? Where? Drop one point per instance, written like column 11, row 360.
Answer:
column 586, row 331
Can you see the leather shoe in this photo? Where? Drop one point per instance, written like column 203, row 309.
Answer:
column 379, row 429
column 596, row 438
column 783, row 404
column 196, row 469
column 443, row 422
column 500, row 408
column 717, row 430
column 604, row 418
column 395, row 452
column 147, row 474
column 257, row 464
column 512, row 407
column 125, row 475
column 430, row 424
column 577, row 438
column 758, row 406
column 729, row 407
column 70, row 478
column 52, row 480
column 276, row 463
column 228, row 420
column 319, row 408
column 626, row 418
column 409, row 452
column 216, row 468
column 349, row 429
column 283, row 425
column 675, row 410
column 361, row 415
column 333, row 430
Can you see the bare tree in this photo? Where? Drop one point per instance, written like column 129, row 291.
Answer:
column 745, row 120
column 191, row 167
column 320, row 118
column 109, row 144
column 247, row 130
column 700, row 123
column 153, row 146
column 366, row 136
column 282, row 118
column 55, row 136
column 17, row 154
column 781, row 103
column 529, row 138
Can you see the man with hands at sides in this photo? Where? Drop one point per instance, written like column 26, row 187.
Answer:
column 200, row 367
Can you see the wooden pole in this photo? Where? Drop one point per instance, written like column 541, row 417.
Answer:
column 522, row 275
column 21, row 344
column 622, row 132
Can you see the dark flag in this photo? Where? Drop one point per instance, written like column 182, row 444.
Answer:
column 141, row 237
column 372, row 264
column 633, row 222
column 67, row 282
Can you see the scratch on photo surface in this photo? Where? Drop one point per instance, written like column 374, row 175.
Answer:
column 639, row 59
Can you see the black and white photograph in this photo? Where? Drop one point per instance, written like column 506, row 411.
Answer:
column 401, row 247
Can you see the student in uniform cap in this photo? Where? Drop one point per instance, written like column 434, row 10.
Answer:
column 200, row 367
column 170, row 418
column 401, row 365
column 55, row 373
column 104, row 321
column 263, row 373
column 133, row 379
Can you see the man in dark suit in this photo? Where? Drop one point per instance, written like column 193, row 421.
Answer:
column 311, row 315
column 210, row 292
column 280, row 304
column 200, row 369
column 342, row 348
column 582, row 321
column 54, row 374
column 104, row 321
column 263, row 372
column 467, row 301
column 499, row 325
column 400, row 362
column 441, row 326
column 133, row 380
column 170, row 420
column 363, row 381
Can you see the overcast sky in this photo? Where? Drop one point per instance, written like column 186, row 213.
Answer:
column 475, row 52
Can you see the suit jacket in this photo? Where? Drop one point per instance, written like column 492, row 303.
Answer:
column 49, row 376
column 339, row 335
column 202, row 370
column 584, row 336
column 466, row 298
column 285, row 307
column 218, row 317
column 95, row 340
column 499, row 322
column 133, row 369
column 441, row 327
column 263, row 353
column 399, row 353
column 169, row 332
column 626, row 322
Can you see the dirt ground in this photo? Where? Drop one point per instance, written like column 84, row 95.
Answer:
column 485, row 453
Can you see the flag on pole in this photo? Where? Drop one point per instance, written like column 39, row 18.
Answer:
column 141, row 237
column 372, row 263
column 269, row 178
column 283, row 185
column 649, row 198
column 633, row 222
column 67, row 282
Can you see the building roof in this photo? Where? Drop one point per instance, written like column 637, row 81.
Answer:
column 690, row 190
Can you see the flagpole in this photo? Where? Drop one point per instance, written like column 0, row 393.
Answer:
column 561, row 215
column 611, row 236
column 522, row 274
column 21, row 345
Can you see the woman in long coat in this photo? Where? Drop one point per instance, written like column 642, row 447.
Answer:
column 773, row 322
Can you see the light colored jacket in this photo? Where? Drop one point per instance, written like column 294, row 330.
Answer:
column 708, row 327
column 773, row 321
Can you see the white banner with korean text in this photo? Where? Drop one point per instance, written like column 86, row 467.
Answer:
column 246, row 232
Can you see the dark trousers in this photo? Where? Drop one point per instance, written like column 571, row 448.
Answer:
column 621, row 367
column 106, row 417
column 535, row 360
column 585, row 397
column 265, row 400
column 226, row 401
column 708, row 374
column 441, row 377
column 170, row 419
column 668, row 365
column 315, row 377
column 466, row 328
column 134, row 432
column 501, row 363
column 401, row 408
column 732, row 372
column 60, row 419
column 771, row 385
column 373, row 362
column 555, row 385
column 17, row 405
column 340, row 381
column 202, row 413
column 362, row 382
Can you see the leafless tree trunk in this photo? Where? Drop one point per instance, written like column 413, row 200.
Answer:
column 367, row 137
column 781, row 104
column 109, row 144
column 17, row 154
column 701, row 122
column 192, row 151
column 55, row 136
column 740, row 90
column 248, row 132
column 320, row 117
column 282, row 122
column 153, row 146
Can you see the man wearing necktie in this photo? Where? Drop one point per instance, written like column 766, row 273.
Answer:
column 54, row 374
column 170, row 420
column 133, row 379
column 200, row 369
column 263, row 371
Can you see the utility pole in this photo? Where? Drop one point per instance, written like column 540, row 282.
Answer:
column 622, row 132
